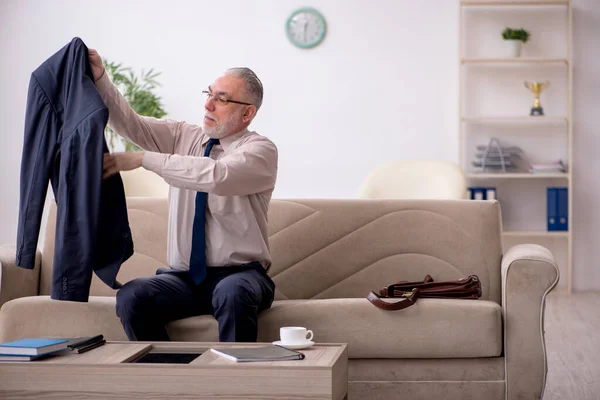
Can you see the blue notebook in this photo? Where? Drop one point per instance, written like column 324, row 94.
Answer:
column 19, row 358
column 32, row 346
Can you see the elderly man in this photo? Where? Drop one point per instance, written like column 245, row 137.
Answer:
column 222, row 176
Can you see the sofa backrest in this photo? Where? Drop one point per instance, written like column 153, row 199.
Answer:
column 338, row 248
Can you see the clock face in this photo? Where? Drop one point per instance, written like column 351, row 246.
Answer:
column 306, row 27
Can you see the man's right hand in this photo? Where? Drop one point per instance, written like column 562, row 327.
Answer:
column 96, row 63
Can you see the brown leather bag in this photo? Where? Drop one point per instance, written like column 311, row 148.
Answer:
column 467, row 288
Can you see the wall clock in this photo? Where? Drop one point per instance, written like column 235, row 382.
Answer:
column 306, row 27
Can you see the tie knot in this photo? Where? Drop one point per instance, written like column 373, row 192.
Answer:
column 209, row 146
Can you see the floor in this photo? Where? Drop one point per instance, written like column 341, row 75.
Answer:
column 573, row 346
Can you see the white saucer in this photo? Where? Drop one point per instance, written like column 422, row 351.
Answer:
column 295, row 346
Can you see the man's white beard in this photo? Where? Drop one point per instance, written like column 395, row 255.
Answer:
column 220, row 130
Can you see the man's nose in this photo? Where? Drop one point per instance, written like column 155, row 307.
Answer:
column 210, row 103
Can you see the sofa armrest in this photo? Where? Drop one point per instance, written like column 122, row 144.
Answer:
column 15, row 281
column 529, row 273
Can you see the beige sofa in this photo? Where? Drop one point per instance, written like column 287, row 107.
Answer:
column 328, row 255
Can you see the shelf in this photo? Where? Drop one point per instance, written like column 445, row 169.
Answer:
column 514, row 3
column 518, row 119
column 562, row 234
column 492, row 105
column 514, row 60
column 517, row 175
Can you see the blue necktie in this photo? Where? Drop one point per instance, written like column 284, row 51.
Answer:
column 198, row 256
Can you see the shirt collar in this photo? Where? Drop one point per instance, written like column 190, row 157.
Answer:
column 227, row 141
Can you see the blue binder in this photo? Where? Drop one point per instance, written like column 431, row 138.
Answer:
column 482, row 193
column 557, row 208
column 563, row 209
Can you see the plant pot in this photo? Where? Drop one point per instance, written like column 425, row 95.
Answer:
column 513, row 48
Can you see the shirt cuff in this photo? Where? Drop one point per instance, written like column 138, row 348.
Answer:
column 103, row 83
column 154, row 161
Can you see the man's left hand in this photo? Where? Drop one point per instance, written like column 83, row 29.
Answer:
column 117, row 162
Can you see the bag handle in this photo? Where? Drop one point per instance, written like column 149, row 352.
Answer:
column 410, row 299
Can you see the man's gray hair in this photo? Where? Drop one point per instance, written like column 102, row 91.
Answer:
column 254, row 86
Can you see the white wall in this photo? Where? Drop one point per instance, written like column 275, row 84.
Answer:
column 383, row 85
column 586, row 144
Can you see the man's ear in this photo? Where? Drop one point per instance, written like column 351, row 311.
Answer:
column 249, row 113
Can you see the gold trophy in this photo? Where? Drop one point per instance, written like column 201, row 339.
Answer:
column 536, row 88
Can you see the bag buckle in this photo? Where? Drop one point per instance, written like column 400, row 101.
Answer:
column 388, row 291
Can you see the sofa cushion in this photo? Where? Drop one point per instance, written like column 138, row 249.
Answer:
column 40, row 316
column 331, row 248
column 148, row 219
column 433, row 328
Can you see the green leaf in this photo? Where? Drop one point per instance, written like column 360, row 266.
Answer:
column 515, row 34
column 138, row 92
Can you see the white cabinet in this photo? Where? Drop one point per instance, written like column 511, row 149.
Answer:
column 494, row 103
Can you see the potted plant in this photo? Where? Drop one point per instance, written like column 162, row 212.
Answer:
column 515, row 39
column 139, row 93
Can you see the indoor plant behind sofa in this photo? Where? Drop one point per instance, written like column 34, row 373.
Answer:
column 327, row 256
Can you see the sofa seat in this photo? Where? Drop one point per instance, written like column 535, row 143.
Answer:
column 433, row 328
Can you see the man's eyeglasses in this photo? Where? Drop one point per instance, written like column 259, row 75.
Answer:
column 222, row 100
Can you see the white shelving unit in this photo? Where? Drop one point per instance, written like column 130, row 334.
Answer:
column 529, row 234
column 538, row 60
column 518, row 175
column 494, row 103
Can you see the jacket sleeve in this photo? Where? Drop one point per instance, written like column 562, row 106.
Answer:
column 36, row 163
column 149, row 133
column 248, row 169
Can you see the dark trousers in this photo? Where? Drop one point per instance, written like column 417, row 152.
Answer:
column 233, row 295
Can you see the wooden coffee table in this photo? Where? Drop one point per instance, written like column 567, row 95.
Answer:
column 112, row 371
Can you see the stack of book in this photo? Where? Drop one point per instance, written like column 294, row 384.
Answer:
column 30, row 348
column 33, row 348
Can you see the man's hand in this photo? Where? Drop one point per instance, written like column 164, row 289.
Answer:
column 96, row 63
column 117, row 162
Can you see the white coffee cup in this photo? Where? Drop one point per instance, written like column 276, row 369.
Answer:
column 295, row 334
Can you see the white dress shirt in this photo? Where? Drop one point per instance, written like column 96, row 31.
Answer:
column 239, row 177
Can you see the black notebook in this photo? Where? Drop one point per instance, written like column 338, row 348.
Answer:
column 85, row 343
column 265, row 353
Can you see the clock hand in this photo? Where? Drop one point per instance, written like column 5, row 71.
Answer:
column 304, row 26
